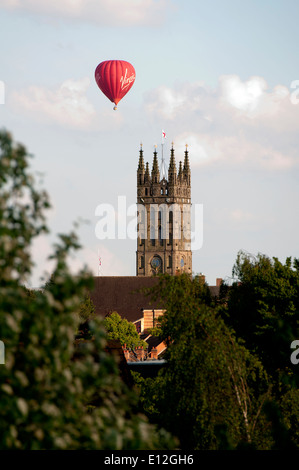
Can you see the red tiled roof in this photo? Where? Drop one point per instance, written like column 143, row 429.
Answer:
column 116, row 293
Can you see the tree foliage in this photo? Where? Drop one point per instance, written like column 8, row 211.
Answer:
column 53, row 395
column 262, row 306
column 123, row 330
column 87, row 309
column 213, row 389
column 263, row 309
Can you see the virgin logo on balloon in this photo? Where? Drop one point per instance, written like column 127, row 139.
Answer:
column 115, row 78
column 125, row 82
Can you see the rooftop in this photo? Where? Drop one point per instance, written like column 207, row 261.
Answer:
column 122, row 294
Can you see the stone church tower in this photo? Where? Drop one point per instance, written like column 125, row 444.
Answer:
column 164, row 218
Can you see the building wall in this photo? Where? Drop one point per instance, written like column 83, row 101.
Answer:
column 150, row 318
column 164, row 218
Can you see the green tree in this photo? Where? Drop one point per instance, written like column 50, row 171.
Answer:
column 212, row 391
column 53, row 396
column 87, row 309
column 263, row 309
column 85, row 315
column 123, row 330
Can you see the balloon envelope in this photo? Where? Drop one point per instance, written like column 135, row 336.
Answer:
column 115, row 78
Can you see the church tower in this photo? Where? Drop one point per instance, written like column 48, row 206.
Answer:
column 164, row 217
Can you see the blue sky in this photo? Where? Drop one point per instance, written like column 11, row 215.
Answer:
column 216, row 75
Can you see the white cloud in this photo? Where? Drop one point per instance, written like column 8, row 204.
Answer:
column 165, row 102
column 238, row 123
column 66, row 105
column 242, row 95
column 232, row 151
column 252, row 96
column 169, row 103
column 200, row 149
column 105, row 12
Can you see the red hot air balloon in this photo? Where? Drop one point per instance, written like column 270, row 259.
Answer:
column 115, row 78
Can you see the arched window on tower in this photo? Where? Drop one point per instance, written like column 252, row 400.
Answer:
column 153, row 223
column 160, row 235
column 160, row 228
column 170, row 227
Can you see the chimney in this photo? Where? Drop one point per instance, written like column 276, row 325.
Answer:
column 154, row 353
column 126, row 352
column 140, row 353
column 218, row 281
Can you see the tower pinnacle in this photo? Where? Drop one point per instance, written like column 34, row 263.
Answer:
column 141, row 161
column 172, row 172
column 155, row 169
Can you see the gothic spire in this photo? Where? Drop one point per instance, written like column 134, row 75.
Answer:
column 186, row 170
column 147, row 174
column 180, row 172
column 172, row 165
column 155, row 169
column 141, row 161
column 172, row 173
column 186, row 161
